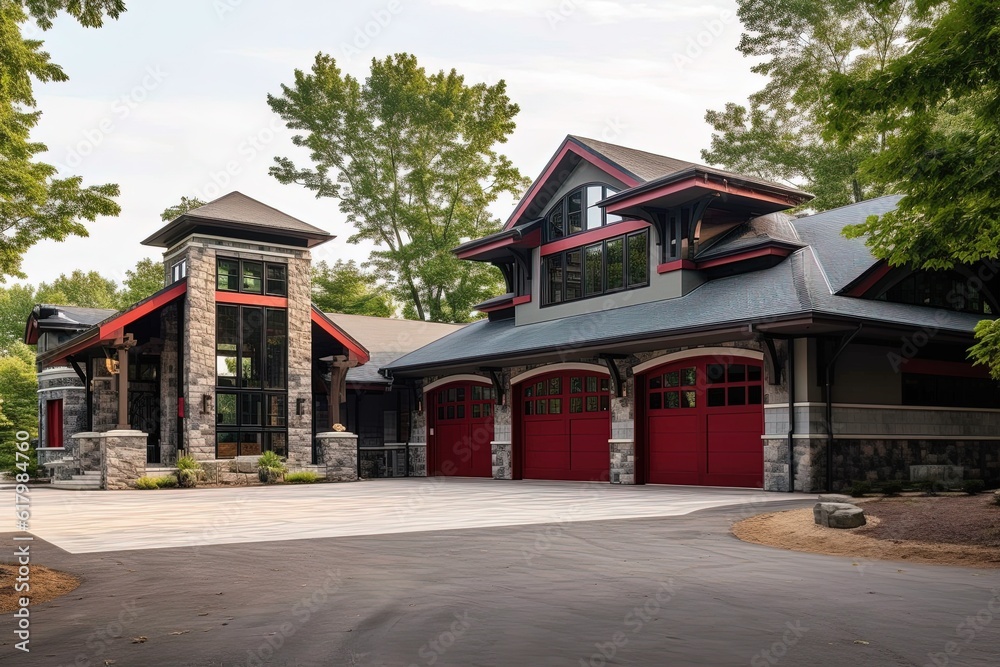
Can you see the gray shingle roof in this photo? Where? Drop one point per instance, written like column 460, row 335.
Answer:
column 237, row 207
column 78, row 314
column 762, row 230
column 641, row 164
column 797, row 286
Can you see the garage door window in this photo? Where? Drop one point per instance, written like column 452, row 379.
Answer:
column 572, row 395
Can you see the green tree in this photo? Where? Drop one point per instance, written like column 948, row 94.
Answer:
column 34, row 203
column 802, row 45
column 939, row 107
column 18, row 404
column 177, row 210
column 412, row 159
column 345, row 288
column 144, row 279
column 16, row 302
column 86, row 289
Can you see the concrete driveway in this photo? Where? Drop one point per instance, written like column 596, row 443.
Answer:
column 670, row 588
column 89, row 521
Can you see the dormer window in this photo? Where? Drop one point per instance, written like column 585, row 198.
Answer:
column 578, row 212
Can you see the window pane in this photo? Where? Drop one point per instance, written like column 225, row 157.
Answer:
column 229, row 275
column 591, row 404
column 574, row 212
column 277, row 348
column 605, row 403
column 688, row 399
column 737, row 373
column 575, row 385
column 671, row 400
column 754, row 395
column 612, row 218
column 529, row 391
column 555, row 406
column 595, row 269
column 716, row 373
column 574, row 274
column 555, row 386
column 460, row 394
column 227, row 337
column 440, row 413
column 614, row 257
column 460, row 412
column 541, row 406
column 529, row 407
column 253, row 277
column 477, row 393
column 638, row 259
column 753, row 373
column 540, row 389
column 576, row 404
column 250, row 444
column 252, row 357
column 453, row 394
column 277, row 410
column 277, row 280
column 605, row 384
column 477, row 410
column 672, row 379
column 556, row 227
column 250, row 410
column 655, row 382
column 591, row 383
column 737, row 396
column 593, row 212
column 450, row 412
column 226, row 443
column 225, row 409
column 655, row 401
column 716, row 397
column 278, row 443
column 689, row 377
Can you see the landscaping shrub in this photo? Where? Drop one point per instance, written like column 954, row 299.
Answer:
column 165, row 482
column 973, row 486
column 146, row 483
column 302, row 477
column 270, row 467
column 930, row 487
column 188, row 472
column 892, row 488
column 859, row 489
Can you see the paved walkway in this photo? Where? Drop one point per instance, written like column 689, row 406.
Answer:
column 95, row 521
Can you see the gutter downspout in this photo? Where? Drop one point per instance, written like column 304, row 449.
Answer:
column 829, row 405
column 790, row 369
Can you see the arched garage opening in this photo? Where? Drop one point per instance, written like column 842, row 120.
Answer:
column 563, row 421
column 701, row 418
column 460, row 426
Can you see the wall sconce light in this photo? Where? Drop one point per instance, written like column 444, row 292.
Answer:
column 206, row 403
column 420, row 406
column 300, row 406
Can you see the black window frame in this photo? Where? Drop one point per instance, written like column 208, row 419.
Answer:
column 262, row 394
column 179, row 270
column 562, row 258
column 561, row 209
column 240, row 277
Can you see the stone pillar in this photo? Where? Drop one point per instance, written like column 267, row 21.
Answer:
column 502, row 453
column 338, row 452
column 123, row 458
column 418, row 459
column 622, row 464
column 85, row 449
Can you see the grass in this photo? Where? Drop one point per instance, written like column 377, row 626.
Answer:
column 302, row 477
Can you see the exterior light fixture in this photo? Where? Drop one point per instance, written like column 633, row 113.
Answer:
column 206, row 403
column 300, row 406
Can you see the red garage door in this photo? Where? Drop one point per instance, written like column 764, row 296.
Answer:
column 460, row 429
column 565, row 426
column 704, row 419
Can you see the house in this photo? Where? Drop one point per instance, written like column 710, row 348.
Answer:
column 671, row 323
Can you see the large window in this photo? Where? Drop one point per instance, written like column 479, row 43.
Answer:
column 940, row 289
column 578, row 211
column 950, row 391
column 599, row 268
column 251, row 277
column 251, row 405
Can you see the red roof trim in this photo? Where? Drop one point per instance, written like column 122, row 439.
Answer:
column 874, row 274
column 525, row 298
column 594, row 235
column 251, row 299
column 739, row 257
column 687, row 184
column 503, row 305
column 675, row 265
column 531, row 240
column 111, row 327
column 324, row 323
column 568, row 146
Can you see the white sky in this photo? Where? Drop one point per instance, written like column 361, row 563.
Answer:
column 170, row 100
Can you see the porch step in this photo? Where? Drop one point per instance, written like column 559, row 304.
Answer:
column 87, row 483
column 159, row 471
column 89, row 474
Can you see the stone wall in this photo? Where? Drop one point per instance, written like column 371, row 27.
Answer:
column 622, row 469
column 105, row 397
column 338, row 453
column 123, row 455
column 418, row 459
column 502, row 451
column 85, row 450
column 169, row 384
column 300, row 368
column 199, row 352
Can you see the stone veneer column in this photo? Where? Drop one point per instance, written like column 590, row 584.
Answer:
column 621, row 446
column 300, row 361
column 502, row 446
column 338, row 452
column 169, row 383
column 418, row 443
column 123, row 458
column 198, row 374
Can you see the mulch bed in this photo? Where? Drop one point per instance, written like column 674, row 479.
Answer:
column 46, row 584
column 972, row 520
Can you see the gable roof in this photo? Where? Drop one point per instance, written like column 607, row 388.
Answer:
column 644, row 166
column 237, row 211
column 386, row 340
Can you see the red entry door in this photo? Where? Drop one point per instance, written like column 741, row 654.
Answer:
column 461, row 419
column 565, row 426
column 54, row 423
column 704, row 421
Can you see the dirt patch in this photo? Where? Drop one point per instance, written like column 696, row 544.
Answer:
column 46, row 584
column 944, row 530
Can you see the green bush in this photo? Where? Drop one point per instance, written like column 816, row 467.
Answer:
column 270, row 467
column 892, row 488
column 188, row 463
column 166, row 482
column 302, row 477
column 930, row 487
column 973, row 486
column 146, row 483
column 859, row 489
column 188, row 472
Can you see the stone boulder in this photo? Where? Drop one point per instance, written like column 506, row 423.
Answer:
column 835, row 498
column 838, row 515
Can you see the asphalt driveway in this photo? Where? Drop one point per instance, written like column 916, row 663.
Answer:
column 657, row 590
